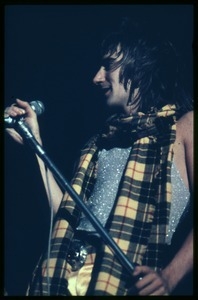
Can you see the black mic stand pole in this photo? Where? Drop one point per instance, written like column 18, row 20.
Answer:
column 27, row 135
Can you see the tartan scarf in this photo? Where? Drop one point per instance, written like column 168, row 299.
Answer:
column 138, row 222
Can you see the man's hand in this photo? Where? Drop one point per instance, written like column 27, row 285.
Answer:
column 151, row 283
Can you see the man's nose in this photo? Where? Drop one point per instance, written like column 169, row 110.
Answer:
column 100, row 76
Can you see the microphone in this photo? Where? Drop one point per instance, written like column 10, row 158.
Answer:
column 36, row 105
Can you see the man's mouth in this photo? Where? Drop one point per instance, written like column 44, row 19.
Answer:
column 106, row 90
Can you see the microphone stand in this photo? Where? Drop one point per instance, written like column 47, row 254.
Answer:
column 27, row 135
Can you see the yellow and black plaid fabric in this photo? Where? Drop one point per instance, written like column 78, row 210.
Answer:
column 138, row 222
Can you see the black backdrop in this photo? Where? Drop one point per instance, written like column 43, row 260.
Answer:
column 51, row 55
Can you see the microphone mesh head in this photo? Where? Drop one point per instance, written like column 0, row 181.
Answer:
column 38, row 107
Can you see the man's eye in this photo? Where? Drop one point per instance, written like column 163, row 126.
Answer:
column 107, row 64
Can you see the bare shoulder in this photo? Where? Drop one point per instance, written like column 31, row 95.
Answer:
column 186, row 119
column 183, row 148
column 185, row 126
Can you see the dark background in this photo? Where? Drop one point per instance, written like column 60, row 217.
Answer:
column 51, row 54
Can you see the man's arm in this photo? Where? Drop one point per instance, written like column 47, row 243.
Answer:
column 164, row 282
column 53, row 190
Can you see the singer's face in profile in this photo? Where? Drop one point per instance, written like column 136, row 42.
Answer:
column 108, row 79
